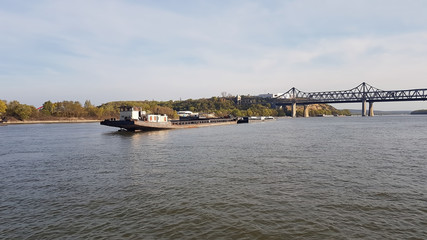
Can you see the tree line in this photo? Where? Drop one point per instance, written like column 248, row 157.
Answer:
column 220, row 106
column 52, row 110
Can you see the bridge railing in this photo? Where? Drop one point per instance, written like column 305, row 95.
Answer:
column 398, row 95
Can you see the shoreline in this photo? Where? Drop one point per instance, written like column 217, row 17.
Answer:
column 50, row 121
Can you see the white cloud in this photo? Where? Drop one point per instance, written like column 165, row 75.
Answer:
column 133, row 50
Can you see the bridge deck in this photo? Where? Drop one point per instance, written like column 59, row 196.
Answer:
column 363, row 92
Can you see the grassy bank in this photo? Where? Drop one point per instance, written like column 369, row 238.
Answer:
column 52, row 121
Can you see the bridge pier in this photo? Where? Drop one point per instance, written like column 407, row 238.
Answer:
column 371, row 109
column 294, row 110
column 306, row 111
column 363, row 107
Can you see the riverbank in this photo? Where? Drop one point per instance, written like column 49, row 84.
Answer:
column 51, row 121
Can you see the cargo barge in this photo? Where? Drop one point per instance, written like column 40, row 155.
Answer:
column 134, row 119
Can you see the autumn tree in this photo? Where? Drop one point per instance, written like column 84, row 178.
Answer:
column 92, row 111
column 3, row 107
column 69, row 109
column 20, row 111
column 48, row 108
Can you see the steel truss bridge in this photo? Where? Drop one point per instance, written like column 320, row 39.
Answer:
column 363, row 93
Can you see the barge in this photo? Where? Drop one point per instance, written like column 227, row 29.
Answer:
column 134, row 119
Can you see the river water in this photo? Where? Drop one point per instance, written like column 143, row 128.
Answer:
column 314, row 178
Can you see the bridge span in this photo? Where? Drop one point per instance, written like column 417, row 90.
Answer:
column 363, row 93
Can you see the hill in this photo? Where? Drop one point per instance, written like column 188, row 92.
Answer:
column 220, row 106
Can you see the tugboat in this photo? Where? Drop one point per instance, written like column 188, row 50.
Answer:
column 134, row 119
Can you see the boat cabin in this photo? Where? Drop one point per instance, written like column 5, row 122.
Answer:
column 129, row 113
column 135, row 113
column 157, row 118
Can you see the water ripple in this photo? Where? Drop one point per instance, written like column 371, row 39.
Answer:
column 334, row 178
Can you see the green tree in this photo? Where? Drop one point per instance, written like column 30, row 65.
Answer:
column 281, row 112
column 48, row 108
column 237, row 113
column 11, row 108
column 346, row 112
column 88, row 104
column 3, row 107
column 69, row 109
column 24, row 112
column 20, row 111
column 92, row 111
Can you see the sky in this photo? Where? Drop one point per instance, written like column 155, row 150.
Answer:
column 104, row 50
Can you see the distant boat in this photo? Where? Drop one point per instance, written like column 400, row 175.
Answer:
column 423, row 111
column 255, row 119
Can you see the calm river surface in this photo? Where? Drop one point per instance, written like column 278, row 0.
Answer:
column 315, row 178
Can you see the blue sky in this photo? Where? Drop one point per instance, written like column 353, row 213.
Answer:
column 170, row 50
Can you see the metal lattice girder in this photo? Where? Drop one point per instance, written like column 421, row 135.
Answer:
column 363, row 92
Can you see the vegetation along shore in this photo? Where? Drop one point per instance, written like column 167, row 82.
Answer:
column 74, row 111
column 51, row 121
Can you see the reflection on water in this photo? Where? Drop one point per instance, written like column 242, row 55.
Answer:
column 334, row 178
column 136, row 134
